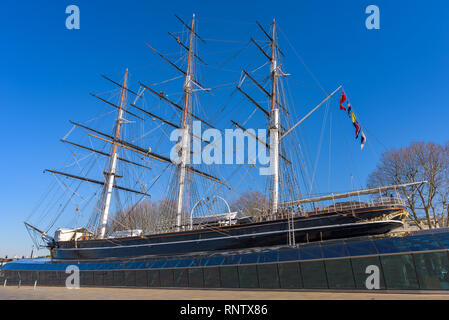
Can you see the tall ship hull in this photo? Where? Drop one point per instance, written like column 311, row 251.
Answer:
column 318, row 227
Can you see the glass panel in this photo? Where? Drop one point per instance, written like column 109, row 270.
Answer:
column 422, row 243
column 25, row 277
column 361, row 248
column 89, row 278
column 391, row 245
column 158, row 264
column 42, row 277
column 313, row 275
column 171, row 263
column 62, row 276
column 432, row 270
column 211, row 277
column 81, row 266
column 399, row 272
column 32, row 277
column 130, row 265
column 139, row 265
column 130, row 278
column 98, row 266
column 35, row 276
column 98, row 278
column 181, row 278
column 229, row 277
column 339, row 274
column 48, row 276
column 443, row 238
column 310, row 253
column 85, row 275
column 166, row 277
column 212, row 261
column 108, row 278
column 194, row 263
column 52, row 276
column 186, row 263
column 119, row 266
column 54, row 267
column 119, row 278
column 196, row 278
column 268, row 276
column 359, row 266
column 334, row 250
column 13, row 278
column 248, row 277
column 270, row 256
column 154, row 278
column 233, row 259
column 250, row 258
column 288, row 255
column 141, row 278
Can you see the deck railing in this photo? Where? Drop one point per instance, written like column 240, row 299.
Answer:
column 332, row 208
column 353, row 205
column 298, row 211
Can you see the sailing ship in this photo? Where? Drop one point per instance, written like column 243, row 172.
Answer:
column 285, row 221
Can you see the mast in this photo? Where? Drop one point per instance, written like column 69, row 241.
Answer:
column 110, row 175
column 274, row 126
column 185, row 128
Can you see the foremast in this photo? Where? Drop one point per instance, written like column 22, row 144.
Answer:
column 111, row 174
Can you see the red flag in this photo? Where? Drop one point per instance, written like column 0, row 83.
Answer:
column 342, row 99
column 357, row 130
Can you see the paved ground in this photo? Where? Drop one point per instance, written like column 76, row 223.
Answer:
column 55, row 293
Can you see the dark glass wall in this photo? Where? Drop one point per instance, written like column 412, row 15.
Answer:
column 416, row 262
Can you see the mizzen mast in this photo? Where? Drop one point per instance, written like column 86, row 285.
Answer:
column 274, row 126
column 110, row 175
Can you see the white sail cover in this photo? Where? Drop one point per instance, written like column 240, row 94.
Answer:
column 67, row 234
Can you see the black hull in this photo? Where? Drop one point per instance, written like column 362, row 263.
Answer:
column 263, row 234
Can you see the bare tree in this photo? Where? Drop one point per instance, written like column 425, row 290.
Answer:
column 443, row 191
column 252, row 203
column 418, row 162
column 146, row 216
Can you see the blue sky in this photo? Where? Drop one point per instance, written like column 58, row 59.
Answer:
column 396, row 77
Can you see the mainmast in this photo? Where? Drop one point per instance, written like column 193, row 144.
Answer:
column 110, row 175
column 274, row 126
column 185, row 128
column 273, row 114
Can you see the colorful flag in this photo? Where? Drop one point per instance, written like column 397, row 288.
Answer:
column 349, row 109
column 342, row 99
column 357, row 129
column 353, row 118
column 363, row 139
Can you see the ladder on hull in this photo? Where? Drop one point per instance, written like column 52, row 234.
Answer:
column 291, row 230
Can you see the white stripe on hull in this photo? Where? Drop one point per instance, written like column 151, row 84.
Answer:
column 399, row 223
